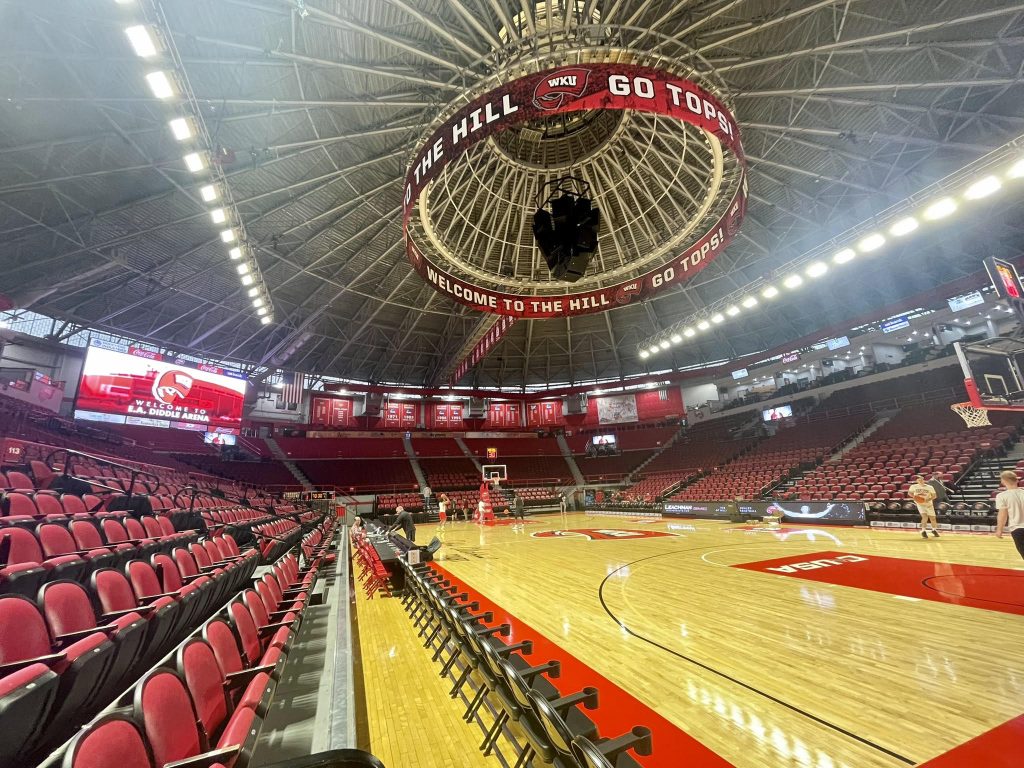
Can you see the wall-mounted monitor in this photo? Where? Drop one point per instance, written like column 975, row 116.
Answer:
column 838, row 343
column 966, row 301
column 779, row 412
column 219, row 438
column 740, row 374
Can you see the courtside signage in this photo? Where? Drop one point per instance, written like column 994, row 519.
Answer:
column 624, row 87
column 601, row 534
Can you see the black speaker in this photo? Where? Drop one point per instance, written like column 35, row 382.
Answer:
column 576, row 404
column 477, row 408
column 372, row 403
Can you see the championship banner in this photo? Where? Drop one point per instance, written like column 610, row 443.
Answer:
column 483, row 347
column 619, row 86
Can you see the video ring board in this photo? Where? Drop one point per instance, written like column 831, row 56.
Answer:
column 816, row 512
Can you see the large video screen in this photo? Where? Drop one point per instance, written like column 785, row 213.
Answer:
column 780, row 412
column 848, row 512
column 136, row 386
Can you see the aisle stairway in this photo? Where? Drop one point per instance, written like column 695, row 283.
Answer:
column 567, row 455
column 421, row 478
column 631, row 477
column 281, row 456
column 978, row 484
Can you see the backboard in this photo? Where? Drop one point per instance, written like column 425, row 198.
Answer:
column 492, row 472
column 993, row 378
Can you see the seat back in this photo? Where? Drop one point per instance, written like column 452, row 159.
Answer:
column 114, row 532
column 55, row 539
column 85, row 534
column 24, row 633
column 15, row 503
column 199, row 553
column 143, row 578
column 198, row 666
column 66, row 607
column 170, row 578
column 48, row 504
column 164, row 708
column 185, row 562
column 152, row 527
column 224, row 643
column 248, row 635
column 21, row 546
column 113, row 590
column 134, row 528
column 72, row 505
column 112, row 740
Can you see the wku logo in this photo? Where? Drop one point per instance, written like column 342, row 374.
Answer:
column 600, row 534
column 627, row 293
column 813, row 565
column 560, row 87
column 171, row 386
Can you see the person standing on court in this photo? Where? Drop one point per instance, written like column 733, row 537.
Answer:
column 563, row 503
column 404, row 521
column 1010, row 510
column 924, row 498
column 518, row 509
column 443, row 503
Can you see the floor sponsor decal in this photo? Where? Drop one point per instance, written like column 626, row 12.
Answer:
column 601, row 534
column 976, row 586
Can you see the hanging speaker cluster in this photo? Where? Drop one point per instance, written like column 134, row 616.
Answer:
column 565, row 226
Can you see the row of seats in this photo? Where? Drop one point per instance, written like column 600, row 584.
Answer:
column 653, row 486
column 67, row 650
column 206, row 704
column 470, row 650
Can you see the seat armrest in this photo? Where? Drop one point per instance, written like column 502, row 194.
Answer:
column 71, row 637
column 206, row 759
column 49, row 659
column 243, row 678
column 267, row 628
column 279, row 615
column 142, row 610
column 149, row 598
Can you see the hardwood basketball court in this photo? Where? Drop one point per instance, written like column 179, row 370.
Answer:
column 860, row 648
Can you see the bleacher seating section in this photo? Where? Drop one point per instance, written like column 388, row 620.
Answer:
column 917, row 440
column 93, row 599
column 771, row 460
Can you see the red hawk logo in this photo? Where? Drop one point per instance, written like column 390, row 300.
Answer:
column 563, row 85
column 601, row 534
column 627, row 293
column 171, row 386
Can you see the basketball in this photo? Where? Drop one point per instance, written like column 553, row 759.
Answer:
column 922, row 498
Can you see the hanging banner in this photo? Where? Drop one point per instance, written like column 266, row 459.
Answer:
column 483, row 347
column 619, row 86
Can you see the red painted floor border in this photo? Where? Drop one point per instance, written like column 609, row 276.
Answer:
column 619, row 710
column 1002, row 747
column 974, row 586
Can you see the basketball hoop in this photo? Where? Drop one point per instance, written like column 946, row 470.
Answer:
column 972, row 415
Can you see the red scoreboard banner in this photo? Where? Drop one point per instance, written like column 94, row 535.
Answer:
column 332, row 412
column 447, row 415
column 400, row 414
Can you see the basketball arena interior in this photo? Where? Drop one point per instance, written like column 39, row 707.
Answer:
column 511, row 384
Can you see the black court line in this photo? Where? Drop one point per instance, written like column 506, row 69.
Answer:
column 726, row 676
column 933, row 588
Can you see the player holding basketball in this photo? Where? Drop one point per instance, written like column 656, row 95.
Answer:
column 1010, row 510
column 443, row 502
column 924, row 497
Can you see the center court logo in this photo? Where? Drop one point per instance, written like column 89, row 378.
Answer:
column 560, row 87
column 171, row 386
column 601, row 534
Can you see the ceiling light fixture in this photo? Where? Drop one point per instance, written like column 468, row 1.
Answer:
column 817, row 269
column 644, row 354
column 266, row 320
column 257, row 302
column 243, row 268
column 246, row 279
column 1016, row 170
column 253, row 292
column 718, row 317
column 676, row 338
column 770, row 292
column 749, row 302
column 793, row 281
column 871, row 243
column 664, row 344
column 903, row 227
column 845, row 255
column 141, row 41
column 235, row 253
column 180, row 128
column 208, row 193
column 732, row 311
column 194, row 162
column 983, row 188
column 227, row 235
column 689, row 332
column 940, row 209
column 160, row 84
column 218, row 215
column 703, row 325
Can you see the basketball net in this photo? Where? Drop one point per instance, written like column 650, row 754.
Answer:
column 972, row 415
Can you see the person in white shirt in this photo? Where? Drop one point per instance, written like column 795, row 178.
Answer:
column 1010, row 510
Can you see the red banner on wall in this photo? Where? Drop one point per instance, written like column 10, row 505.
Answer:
column 545, row 414
column 332, row 412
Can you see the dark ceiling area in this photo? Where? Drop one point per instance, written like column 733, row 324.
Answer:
column 315, row 108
